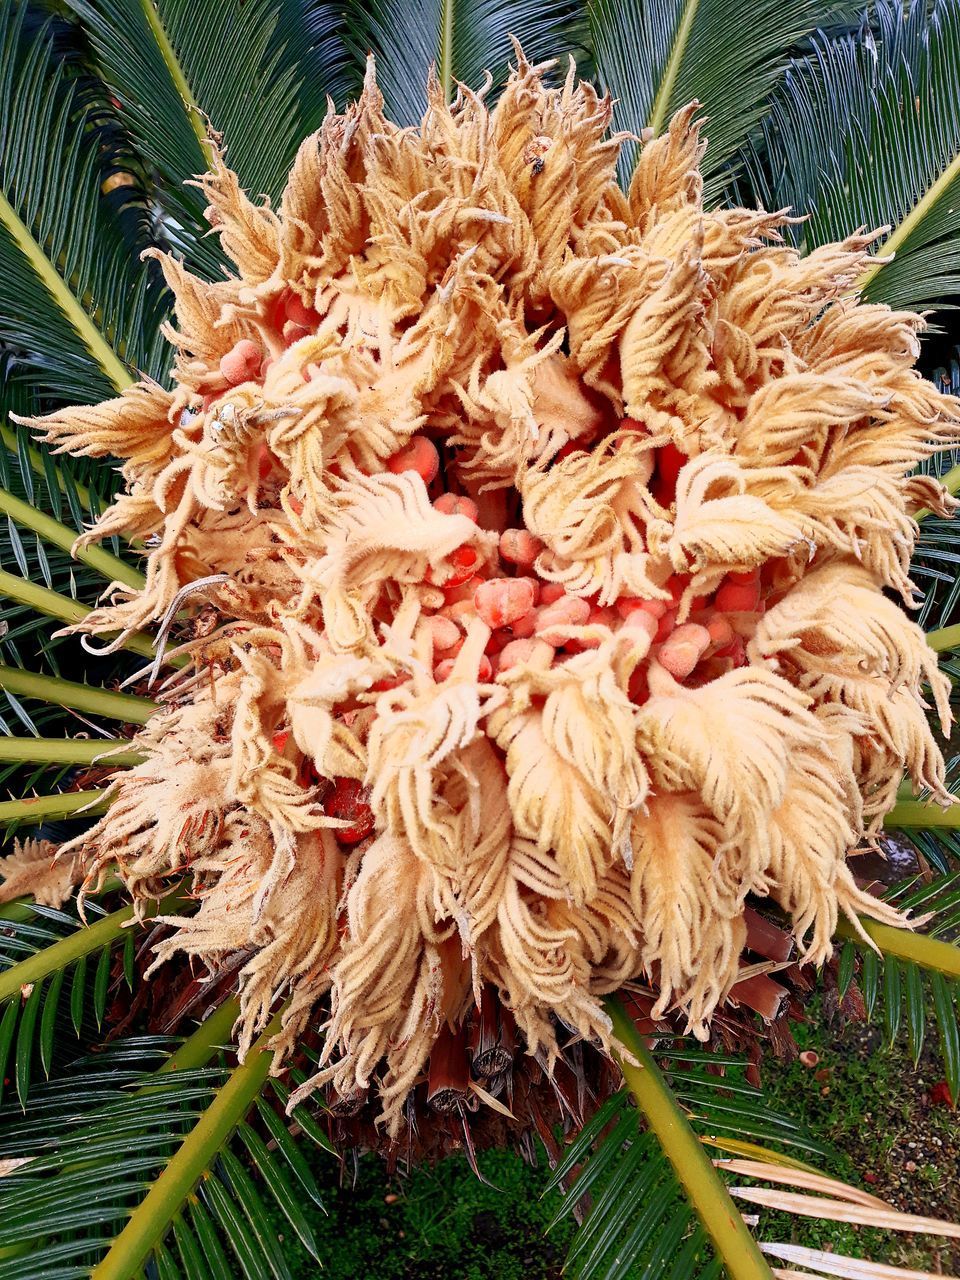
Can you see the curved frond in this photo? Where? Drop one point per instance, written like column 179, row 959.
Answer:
column 464, row 40
column 659, row 1206
column 655, row 58
column 147, row 1123
column 866, row 133
column 176, row 66
column 78, row 309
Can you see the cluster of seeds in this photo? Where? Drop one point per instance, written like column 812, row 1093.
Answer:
column 536, row 536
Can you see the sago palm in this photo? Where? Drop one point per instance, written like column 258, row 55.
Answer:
column 457, row 556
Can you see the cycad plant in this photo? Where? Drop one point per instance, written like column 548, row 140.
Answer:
column 458, row 549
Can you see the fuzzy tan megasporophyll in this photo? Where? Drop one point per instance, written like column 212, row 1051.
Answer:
column 546, row 536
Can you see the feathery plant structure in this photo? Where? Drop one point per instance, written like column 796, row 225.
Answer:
column 521, row 525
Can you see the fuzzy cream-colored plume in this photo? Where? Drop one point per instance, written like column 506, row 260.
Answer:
column 548, row 527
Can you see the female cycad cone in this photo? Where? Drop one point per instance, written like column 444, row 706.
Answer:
column 547, row 528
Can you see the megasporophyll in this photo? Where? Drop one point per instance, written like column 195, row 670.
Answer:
column 544, row 537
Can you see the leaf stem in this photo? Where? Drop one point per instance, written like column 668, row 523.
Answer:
column 76, row 695
column 66, row 804
column 906, row 228
column 944, row 638
column 177, row 75
column 661, row 104
column 53, row 605
column 88, row 938
column 68, row 751
column 212, row 1033
column 739, row 1252
column 904, row 944
column 922, row 814
column 51, row 530
column 105, row 356
column 60, row 955
column 149, row 1222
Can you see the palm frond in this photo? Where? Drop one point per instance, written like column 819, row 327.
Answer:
column 463, row 40
column 654, row 1204
column 655, row 58
column 866, row 133
column 114, row 1156
column 909, row 973
column 657, row 1205
column 78, row 310
column 175, row 65
column 57, row 973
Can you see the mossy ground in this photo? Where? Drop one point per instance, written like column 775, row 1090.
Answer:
column 887, row 1121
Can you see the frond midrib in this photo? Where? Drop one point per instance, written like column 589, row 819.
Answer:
column 68, row 304
column 924, row 207
column 668, row 78
column 178, row 76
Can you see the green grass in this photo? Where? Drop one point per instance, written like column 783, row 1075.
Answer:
column 436, row 1224
column 891, row 1132
column 888, row 1129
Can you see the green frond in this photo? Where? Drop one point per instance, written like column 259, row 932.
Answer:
column 68, row 751
column 655, row 58
column 866, row 133
column 57, row 972
column 81, row 697
column 116, row 1155
column 57, row 534
column 54, row 605
column 175, row 65
column 35, row 810
column 463, row 40
column 909, row 973
column 77, row 308
column 657, row 1205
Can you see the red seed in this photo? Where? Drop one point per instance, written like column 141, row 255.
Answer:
column 294, row 332
column 626, row 605
column 502, row 601
column 738, row 597
column 466, row 590
column 735, row 650
column 457, row 504
column 418, row 454
column 297, row 311
column 391, row 682
column 348, row 800
column 551, row 592
column 721, row 632
column 443, row 669
column 518, row 651
column 642, row 620
column 670, row 461
column 445, row 633
column 568, row 611
column 638, row 690
column 684, row 649
column 242, row 362
column 535, row 584
column 666, row 625
column 524, row 627
column 519, row 546
column 459, row 566
column 280, row 741
column 462, row 612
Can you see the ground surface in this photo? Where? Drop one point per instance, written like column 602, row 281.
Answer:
column 890, row 1125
